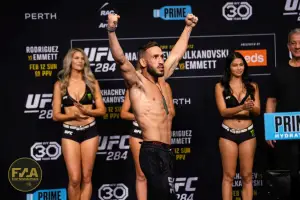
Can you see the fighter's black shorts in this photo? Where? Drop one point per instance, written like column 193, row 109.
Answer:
column 80, row 133
column 237, row 136
column 136, row 131
column 156, row 160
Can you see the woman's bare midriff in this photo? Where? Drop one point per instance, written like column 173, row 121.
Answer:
column 238, row 123
column 72, row 109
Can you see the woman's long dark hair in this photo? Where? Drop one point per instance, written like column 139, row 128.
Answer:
column 227, row 75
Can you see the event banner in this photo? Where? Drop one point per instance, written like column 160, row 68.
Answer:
column 205, row 56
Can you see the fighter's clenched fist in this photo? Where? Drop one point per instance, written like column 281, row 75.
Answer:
column 112, row 21
column 191, row 20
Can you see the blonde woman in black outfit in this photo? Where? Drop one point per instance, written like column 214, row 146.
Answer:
column 77, row 90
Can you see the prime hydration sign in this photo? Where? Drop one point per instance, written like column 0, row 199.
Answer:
column 282, row 126
column 51, row 194
column 172, row 12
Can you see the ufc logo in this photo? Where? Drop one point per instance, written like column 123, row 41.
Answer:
column 137, row 131
column 96, row 53
column 108, row 142
column 185, row 183
column 292, row 5
column 35, row 101
column 68, row 132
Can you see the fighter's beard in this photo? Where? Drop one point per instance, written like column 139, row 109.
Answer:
column 153, row 73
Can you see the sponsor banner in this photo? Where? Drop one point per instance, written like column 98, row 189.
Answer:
column 282, row 126
column 255, row 57
column 48, row 194
column 172, row 12
column 205, row 55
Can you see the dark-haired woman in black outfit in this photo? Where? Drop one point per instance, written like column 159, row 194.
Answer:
column 238, row 101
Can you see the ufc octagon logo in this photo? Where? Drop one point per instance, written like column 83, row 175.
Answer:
column 45, row 151
column 237, row 11
column 117, row 191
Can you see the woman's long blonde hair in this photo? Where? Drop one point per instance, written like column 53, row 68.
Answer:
column 64, row 74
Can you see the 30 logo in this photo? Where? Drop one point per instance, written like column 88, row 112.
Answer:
column 25, row 174
column 45, row 151
column 115, row 147
column 39, row 103
column 117, row 191
column 237, row 11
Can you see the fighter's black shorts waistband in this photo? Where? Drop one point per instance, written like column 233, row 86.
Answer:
column 136, row 130
column 156, row 144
